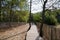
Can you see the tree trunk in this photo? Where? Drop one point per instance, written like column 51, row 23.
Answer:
column 43, row 15
column 0, row 10
column 30, row 15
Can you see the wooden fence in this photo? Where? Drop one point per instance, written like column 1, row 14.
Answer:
column 50, row 32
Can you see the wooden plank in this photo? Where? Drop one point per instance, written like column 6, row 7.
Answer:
column 51, row 32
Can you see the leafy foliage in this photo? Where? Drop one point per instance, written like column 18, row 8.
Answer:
column 13, row 10
column 37, row 17
column 51, row 17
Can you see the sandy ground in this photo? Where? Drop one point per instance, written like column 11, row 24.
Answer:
column 14, row 33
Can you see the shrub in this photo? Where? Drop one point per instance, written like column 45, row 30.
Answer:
column 51, row 20
column 58, row 17
column 37, row 17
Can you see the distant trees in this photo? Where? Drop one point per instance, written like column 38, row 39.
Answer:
column 51, row 17
column 37, row 17
column 13, row 10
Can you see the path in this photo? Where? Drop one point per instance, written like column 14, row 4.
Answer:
column 14, row 33
column 33, row 33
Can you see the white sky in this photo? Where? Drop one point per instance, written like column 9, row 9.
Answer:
column 37, row 5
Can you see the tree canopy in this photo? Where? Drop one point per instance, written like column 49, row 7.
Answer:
column 14, row 10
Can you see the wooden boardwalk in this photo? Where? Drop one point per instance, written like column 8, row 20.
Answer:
column 33, row 34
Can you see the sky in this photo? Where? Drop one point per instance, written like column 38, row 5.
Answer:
column 37, row 5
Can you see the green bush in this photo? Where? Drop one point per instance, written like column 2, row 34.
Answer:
column 58, row 17
column 58, row 20
column 50, row 17
column 51, row 20
column 37, row 17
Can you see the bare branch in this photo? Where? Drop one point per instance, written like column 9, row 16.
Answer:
column 52, row 4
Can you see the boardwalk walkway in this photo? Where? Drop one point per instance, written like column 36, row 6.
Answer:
column 33, row 33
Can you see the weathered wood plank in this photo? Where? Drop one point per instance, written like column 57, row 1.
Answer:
column 50, row 32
